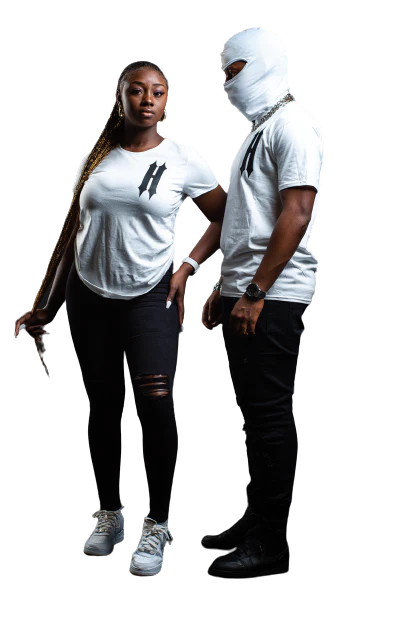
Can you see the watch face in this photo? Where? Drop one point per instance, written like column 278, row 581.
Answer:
column 252, row 290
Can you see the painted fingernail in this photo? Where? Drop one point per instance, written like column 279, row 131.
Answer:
column 182, row 328
column 168, row 304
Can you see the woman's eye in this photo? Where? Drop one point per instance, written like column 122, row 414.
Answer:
column 158, row 93
column 135, row 91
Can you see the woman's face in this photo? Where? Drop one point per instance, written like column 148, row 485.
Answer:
column 143, row 97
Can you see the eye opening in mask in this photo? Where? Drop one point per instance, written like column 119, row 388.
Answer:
column 237, row 70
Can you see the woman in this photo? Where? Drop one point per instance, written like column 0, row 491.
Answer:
column 113, row 266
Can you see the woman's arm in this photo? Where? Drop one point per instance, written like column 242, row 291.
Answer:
column 212, row 204
column 57, row 292
column 34, row 322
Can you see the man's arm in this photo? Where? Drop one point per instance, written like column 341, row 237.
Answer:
column 287, row 233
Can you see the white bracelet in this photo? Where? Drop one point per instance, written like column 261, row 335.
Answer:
column 192, row 262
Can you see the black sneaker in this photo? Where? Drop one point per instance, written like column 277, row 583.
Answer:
column 251, row 559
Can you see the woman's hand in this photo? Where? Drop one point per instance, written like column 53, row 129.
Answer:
column 178, row 283
column 34, row 323
column 212, row 310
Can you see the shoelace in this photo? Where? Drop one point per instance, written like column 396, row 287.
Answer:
column 151, row 538
column 106, row 521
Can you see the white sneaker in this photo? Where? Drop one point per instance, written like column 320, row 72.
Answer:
column 148, row 556
column 108, row 532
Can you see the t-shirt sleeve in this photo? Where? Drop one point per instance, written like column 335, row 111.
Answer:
column 199, row 178
column 297, row 150
column 80, row 169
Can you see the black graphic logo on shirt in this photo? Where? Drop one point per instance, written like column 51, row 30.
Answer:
column 247, row 163
column 154, row 173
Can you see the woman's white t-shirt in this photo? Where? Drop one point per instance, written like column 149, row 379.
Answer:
column 128, row 206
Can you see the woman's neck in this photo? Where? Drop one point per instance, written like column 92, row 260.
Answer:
column 140, row 139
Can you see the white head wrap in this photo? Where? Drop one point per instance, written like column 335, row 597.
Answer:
column 263, row 81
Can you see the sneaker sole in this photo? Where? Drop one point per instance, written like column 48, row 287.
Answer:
column 283, row 568
column 249, row 573
column 94, row 552
column 143, row 572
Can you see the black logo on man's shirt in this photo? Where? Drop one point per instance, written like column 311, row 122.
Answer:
column 247, row 162
column 155, row 177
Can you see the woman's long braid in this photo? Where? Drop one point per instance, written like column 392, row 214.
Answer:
column 106, row 142
column 109, row 138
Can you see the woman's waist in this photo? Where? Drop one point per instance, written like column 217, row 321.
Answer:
column 122, row 287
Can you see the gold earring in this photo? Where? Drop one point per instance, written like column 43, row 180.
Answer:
column 120, row 110
column 164, row 116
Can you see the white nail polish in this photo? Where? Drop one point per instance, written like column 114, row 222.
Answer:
column 168, row 304
column 182, row 328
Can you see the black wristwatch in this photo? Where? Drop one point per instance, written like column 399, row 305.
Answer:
column 254, row 292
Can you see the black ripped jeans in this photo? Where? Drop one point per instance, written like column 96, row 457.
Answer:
column 102, row 330
column 263, row 369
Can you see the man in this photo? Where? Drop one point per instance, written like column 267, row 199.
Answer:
column 268, row 280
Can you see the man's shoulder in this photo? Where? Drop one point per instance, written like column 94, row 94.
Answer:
column 292, row 116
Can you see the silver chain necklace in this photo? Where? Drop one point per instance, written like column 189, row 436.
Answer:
column 285, row 100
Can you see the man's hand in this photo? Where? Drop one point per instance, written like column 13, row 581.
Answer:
column 212, row 310
column 244, row 316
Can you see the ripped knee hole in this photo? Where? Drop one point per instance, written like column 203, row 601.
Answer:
column 152, row 385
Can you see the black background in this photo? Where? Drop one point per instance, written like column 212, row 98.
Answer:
column 60, row 98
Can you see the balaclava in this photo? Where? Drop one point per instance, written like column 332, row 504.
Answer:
column 263, row 81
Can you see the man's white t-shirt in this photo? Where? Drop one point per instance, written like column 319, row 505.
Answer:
column 128, row 206
column 285, row 151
